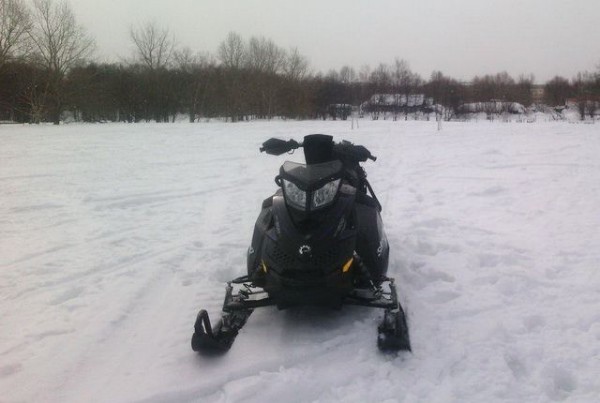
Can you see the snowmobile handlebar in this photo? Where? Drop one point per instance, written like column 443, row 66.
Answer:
column 344, row 150
column 352, row 151
column 275, row 146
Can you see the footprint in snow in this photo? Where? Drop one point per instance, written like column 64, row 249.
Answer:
column 516, row 365
column 559, row 382
column 10, row 369
column 70, row 294
column 443, row 297
column 534, row 322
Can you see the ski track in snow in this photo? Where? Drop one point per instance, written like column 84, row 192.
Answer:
column 113, row 236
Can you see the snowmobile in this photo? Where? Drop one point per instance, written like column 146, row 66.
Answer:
column 318, row 240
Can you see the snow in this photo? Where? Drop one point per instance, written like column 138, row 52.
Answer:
column 113, row 236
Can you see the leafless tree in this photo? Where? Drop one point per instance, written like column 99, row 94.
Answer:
column 186, row 59
column 295, row 66
column 447, row 94
column 264, row 56
column 381, row 78
column 499, row 87
column 195, row 69
column 557, row 90
column 294, row 96
column 401, row 75
column 522, row 92
column 347, row 75
column 154, row 45
column 405, row 81
column 231, row 51
column 59, row 44
column 364, row 73
column 586, row 86
column 59, row 41
column 232, row 54
column 401, row 81
column 264, row 60
column 15, row 25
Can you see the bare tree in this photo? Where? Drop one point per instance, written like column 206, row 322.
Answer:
column 154, row 45
column 504, row 84
column 59, row 41
column 381, row 78
column 154, row 49
column 186, row 59
column 401, row 80
column 364, row 73
column 264, row 60
column 557, row 91
column 295, row 99
column 333, row 75
column 347, row 75
column 15, row 25
column 499, row 87
column 587, row 92
column 523, row 88
column 295, row 66
column 231, row 52
column 405, row 81
column 59, row 44
column 401, row 75
column 447, row 94
column 263, row 55
column 195, row 72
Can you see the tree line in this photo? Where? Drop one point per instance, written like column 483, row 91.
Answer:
column 46, row 68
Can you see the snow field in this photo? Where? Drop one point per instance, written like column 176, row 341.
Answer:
column 113, row 236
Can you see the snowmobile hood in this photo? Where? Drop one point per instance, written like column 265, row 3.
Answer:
column 311, row 176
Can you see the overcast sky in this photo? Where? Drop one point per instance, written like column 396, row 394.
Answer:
column 462, row 38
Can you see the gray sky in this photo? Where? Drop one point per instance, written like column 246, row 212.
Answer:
column 462, row 38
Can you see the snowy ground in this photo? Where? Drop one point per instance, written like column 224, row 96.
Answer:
column 113, row 236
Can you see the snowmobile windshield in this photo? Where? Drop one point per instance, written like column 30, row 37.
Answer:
column 310, row 187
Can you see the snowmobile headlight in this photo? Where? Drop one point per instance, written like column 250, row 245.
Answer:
column 294, row 195
column 325, row 194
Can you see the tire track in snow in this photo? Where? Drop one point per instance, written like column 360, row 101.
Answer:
column 128, row 337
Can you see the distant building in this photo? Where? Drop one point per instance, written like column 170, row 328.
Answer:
column 571, row 102
column 396, row 103
column 492, row 107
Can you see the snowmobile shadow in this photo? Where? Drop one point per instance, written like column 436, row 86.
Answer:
column 304, row 325
column 211, row 354
column 313, row 323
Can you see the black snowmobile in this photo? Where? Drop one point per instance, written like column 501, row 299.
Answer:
column 318, row 240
